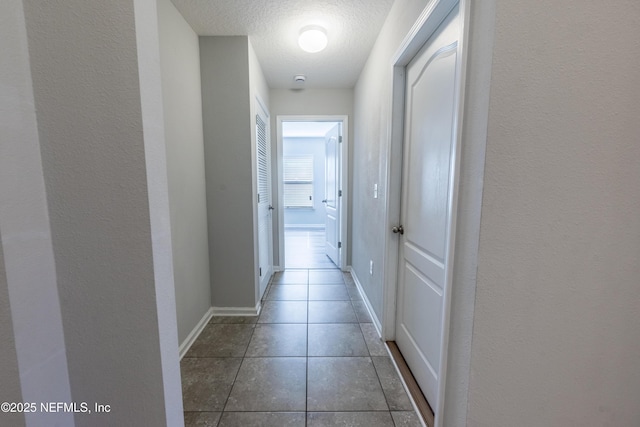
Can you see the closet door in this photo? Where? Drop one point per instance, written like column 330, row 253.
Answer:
column 265, row 229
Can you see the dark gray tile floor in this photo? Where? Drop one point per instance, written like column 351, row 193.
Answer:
column 312, row 358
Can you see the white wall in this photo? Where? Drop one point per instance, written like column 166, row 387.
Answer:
column 182, row 100
column 101, row 133
column 556, row 330
column 308, row 102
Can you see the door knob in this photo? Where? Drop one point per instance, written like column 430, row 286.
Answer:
column 271, row 208
column 324, row 201
column 398, row 229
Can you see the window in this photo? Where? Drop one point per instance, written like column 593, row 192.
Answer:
column 298, row 181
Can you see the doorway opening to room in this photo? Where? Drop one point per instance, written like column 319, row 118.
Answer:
column 312, row 208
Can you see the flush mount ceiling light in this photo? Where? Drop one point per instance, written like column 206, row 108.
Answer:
column 313, row 38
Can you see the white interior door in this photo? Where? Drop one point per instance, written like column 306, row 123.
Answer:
column 265, row 228
column 332, row 194
column 427, row 194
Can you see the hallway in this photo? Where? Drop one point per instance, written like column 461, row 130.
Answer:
column 311, row 358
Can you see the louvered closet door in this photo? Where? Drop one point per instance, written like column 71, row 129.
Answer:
column 263, row 157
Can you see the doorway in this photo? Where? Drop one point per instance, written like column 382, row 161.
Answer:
column 312, row 208
column 428, row 103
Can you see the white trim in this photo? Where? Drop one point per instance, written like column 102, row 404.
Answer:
column 268, row 274
column 367, row 303
column 237, row 311
column 425, row 25
column 428, row 21
column 392, row 208
column 344, row 178
column 195, row 333
column 277, row 268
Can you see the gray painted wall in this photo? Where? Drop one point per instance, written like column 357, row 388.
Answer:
column 553, row 315
column 227, row 149
column 371, row 128
column 305, row 102
column 103, row 158
column 231, row 80
column 9, row 369
column 35, row 339
column 556, row 320
column 182, row 100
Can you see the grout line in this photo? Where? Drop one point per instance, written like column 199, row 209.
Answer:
column 306, row 380
column 244, row 355
column 231, row 389
column 386, row 399
column 306, row 356
column 253, row 330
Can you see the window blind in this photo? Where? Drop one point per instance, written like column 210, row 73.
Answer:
column 298, row 181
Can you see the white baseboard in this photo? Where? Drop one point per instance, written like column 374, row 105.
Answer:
column 376, row 322
column 195, row 333
column 237, row 311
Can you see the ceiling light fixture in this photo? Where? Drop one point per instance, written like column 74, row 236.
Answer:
column 313, row 38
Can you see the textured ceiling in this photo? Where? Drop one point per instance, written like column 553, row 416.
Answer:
column 273, row 27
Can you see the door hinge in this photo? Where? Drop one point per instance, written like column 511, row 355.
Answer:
column 340, row 138
column 339, row 245
column 339, row 193
column 258, row 197
column 260, row 271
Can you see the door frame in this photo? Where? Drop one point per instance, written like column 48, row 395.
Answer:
column 426, row 24
column 343, row 180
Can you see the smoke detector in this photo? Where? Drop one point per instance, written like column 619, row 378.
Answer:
column 300, row 78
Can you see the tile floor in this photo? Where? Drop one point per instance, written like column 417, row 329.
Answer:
column 305, row 248
column 312, row 358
